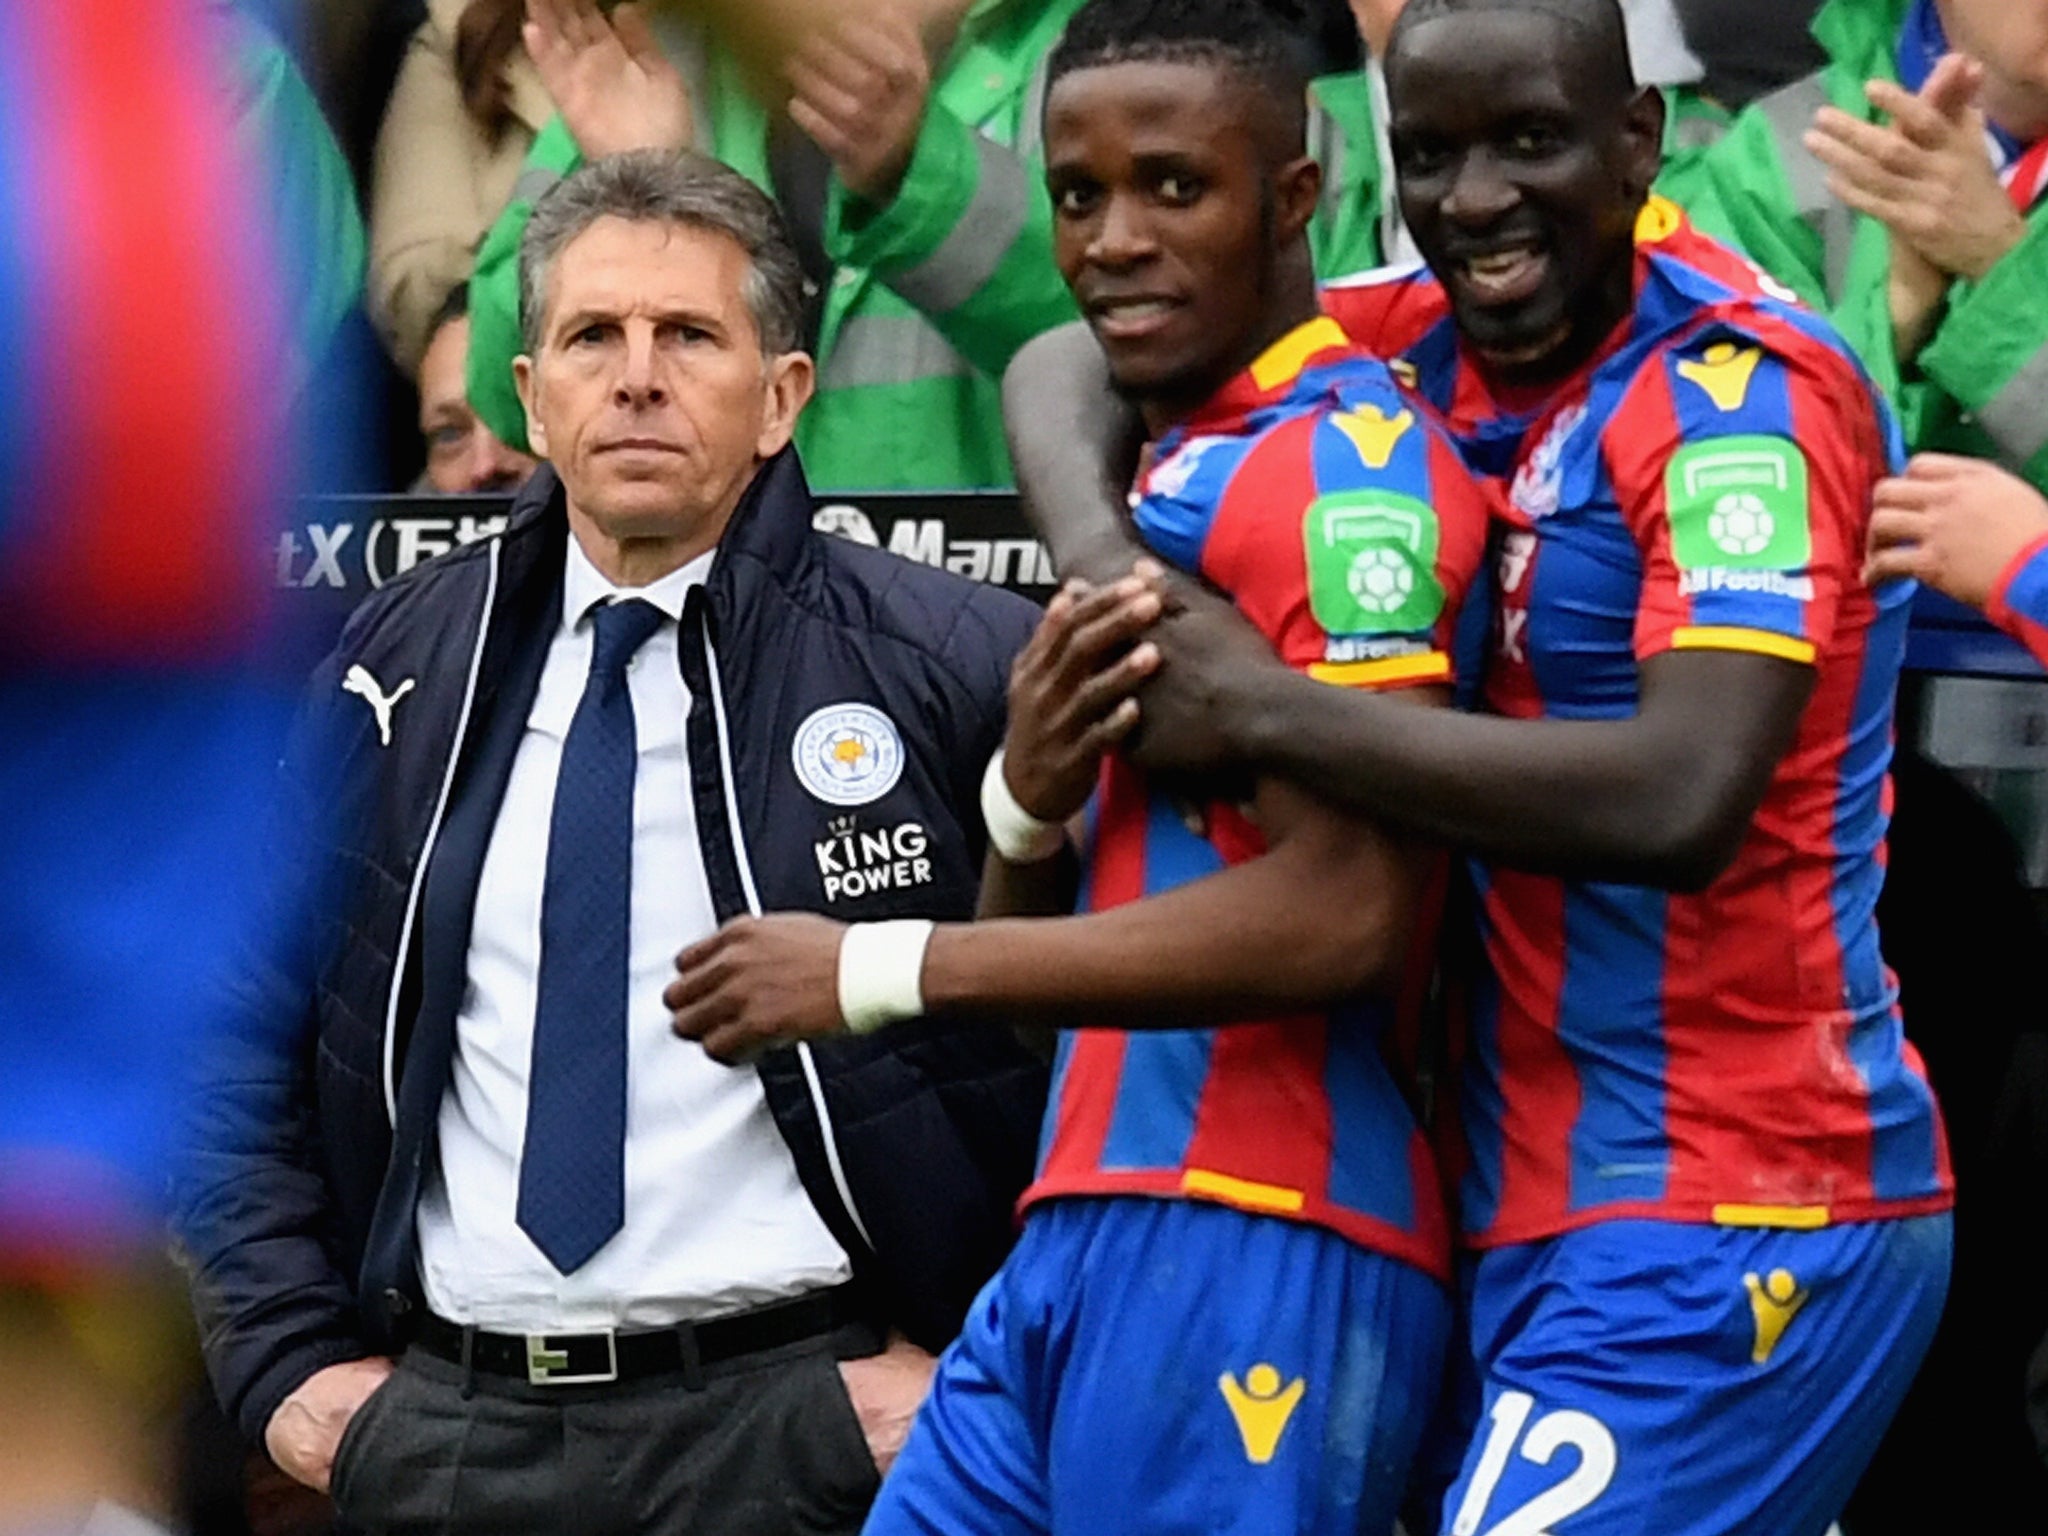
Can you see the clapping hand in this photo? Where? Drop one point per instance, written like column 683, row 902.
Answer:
column 860, row 85
column 615, row 88
column 1927, row 174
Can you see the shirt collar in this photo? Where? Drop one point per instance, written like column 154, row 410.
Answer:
column 1281, row 375
column 584, row 587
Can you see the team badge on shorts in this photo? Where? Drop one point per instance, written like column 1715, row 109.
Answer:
column 1261, row 1405
column 848, row 754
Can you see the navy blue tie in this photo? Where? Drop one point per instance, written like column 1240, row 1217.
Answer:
column 572, row 1171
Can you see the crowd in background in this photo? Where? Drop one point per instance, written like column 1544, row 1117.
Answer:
column 423, row 130
column 921, row 121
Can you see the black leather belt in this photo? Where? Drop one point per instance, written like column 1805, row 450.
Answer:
column 588, row 1359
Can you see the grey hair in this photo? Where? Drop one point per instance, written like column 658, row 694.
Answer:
column 652, row 186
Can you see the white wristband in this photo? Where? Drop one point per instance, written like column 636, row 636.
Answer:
column 881, row 973
column 1018, row 836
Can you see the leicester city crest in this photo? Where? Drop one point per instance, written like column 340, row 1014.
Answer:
column 848, row 754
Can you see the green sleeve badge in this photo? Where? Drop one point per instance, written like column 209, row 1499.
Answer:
column 1372, row 563
column 1739, row 503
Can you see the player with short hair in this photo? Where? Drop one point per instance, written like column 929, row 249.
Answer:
column 1708, row 1182
column 1226, row 1311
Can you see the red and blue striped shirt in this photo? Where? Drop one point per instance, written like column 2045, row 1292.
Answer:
column 1735, row 1055
column 139, row 482
column 2019, row 602
column 1335, row 512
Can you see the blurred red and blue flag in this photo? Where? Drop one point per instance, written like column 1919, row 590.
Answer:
column 141, row 481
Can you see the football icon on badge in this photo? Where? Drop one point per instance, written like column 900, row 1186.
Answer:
column 1741, row 524
column 848, row 754
column 1381, row 578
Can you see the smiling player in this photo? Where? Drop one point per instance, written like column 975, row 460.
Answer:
column 1708, row 1181
column 1225, row 1312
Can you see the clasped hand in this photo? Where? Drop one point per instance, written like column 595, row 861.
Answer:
column 1153, row 664
column 1955, row 524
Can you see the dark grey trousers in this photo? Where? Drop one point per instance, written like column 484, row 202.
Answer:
column 766, row 1446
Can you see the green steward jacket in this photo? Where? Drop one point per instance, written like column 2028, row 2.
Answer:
column 307, row 193
column 1980, row 384
column 1346, row 234
column 931, row 295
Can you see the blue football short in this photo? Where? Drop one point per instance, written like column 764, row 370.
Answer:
column 1644, row 1378
column 1150, row 1367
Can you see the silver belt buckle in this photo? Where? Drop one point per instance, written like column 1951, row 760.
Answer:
column 547, row 1366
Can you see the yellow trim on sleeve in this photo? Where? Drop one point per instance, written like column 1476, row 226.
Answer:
column 1280, row 362
column 1429, row 667
column 1264, row 1197
column 1729, row 637
column 1789, row 1218
column 1659, row 220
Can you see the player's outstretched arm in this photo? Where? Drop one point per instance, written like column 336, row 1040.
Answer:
column 1663, row 798
column 1322, row 914
column 1074, row 443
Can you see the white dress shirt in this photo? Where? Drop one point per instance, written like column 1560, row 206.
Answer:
column 716, row 1219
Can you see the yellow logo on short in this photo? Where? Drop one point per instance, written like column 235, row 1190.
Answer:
column 1724, row 371
column 1374, row 433
column 1262, row 1408
column 1774, row 1300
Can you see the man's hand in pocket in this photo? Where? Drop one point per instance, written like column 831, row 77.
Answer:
column 306, row 1430
column 887, row 1390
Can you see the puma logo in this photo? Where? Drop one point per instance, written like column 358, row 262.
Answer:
column 359, row 682
column 1774, row 1300
column 1262, row 1408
